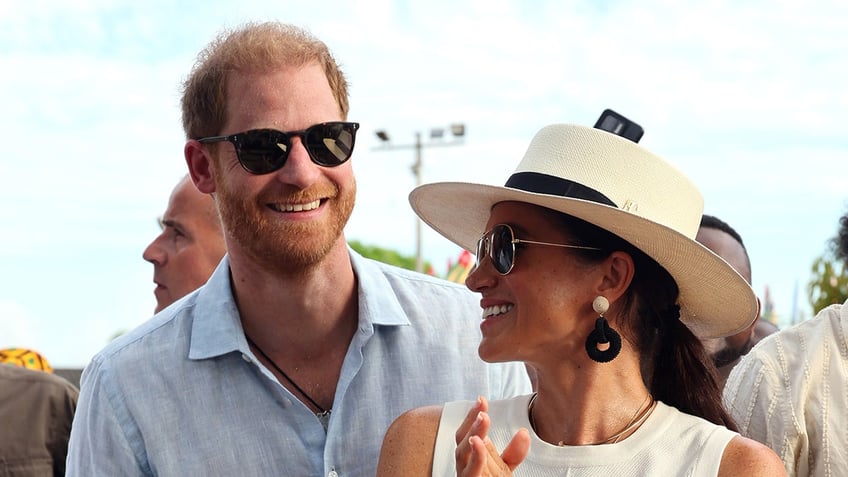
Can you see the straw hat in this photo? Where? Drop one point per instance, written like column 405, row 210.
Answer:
column 617, row 185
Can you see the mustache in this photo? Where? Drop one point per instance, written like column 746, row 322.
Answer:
column 292, row 195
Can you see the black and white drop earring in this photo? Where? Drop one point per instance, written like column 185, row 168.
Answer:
column 602, row 334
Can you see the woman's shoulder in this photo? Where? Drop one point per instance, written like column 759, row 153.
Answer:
column 408, row 443
column 419, row 416
column 744, row 456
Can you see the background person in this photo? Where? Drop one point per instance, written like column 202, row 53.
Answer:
column 718, row 236
column 298, row 353
column 789, row 392
column 36, row 411
column 190, row 246
column 589, row 272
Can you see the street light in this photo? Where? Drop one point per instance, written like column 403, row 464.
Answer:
column 436, row 139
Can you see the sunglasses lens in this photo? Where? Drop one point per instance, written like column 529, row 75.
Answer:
column 330, row 144
column 502, row 251
column 481, row 249
column 263, row 150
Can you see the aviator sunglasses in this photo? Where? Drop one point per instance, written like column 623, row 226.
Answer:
column 262, row 151
column 499, row 244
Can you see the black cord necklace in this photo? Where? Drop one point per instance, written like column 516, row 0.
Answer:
column 323, row 413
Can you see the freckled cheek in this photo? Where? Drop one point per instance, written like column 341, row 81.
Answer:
column 551, row 302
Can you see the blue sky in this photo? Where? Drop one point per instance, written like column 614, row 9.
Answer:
column 747, row 98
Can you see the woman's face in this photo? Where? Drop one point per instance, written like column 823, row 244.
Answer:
column 542, row 309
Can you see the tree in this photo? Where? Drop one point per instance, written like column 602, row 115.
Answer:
column 829, row 282
column 387, row 256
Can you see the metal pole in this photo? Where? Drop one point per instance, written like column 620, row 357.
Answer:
column 458, row 130
column 416, row 169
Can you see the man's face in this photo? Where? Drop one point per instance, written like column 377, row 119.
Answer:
column 726, row 247
column 189, row 248
column 288, row 220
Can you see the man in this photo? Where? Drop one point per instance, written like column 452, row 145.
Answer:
column 190, row 246
column 297, row 354
column 36, row 410
column 789, row 391
column 724, row 241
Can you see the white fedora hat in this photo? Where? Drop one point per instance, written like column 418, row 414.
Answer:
column 617, row 185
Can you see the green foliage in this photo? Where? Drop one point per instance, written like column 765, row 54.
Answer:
column 829, row 282
column 386, row 256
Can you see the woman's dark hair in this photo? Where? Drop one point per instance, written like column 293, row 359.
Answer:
column 675, row 366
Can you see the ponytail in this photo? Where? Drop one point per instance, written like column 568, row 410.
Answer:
column 684, row 375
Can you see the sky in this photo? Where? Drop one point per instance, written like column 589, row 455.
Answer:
column 746, row 98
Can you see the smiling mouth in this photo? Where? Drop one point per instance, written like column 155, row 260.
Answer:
column 296, row 207
column 491, row 311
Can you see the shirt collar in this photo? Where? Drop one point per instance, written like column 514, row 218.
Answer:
column 378, row 302
column 217, row 329
column 216, row 325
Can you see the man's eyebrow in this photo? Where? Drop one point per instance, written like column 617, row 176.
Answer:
column 167, row 223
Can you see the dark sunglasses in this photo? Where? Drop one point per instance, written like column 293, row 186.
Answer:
column 261, row 151
column 499, row 244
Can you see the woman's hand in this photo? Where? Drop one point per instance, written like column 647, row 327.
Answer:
column 476, row 455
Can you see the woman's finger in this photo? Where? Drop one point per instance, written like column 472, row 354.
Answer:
column 516, row 451
column 462, row 431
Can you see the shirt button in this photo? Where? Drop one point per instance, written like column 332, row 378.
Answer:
column 246, row 358
column 333, row 473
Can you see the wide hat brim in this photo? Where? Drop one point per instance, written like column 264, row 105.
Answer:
column 714, row 299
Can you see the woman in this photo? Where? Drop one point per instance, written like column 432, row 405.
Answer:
column 589, row 273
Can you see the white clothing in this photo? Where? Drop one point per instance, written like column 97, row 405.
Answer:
column 791, row 393
column 668, row 443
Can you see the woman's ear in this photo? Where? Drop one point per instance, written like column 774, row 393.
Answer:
column 200, row 166
column 618, row 270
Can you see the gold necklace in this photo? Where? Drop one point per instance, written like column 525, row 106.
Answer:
column 639, row 417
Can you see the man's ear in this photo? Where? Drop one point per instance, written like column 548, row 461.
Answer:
column 200, row 166
column 618, row 270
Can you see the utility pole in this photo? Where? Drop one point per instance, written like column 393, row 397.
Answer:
column 436, row 135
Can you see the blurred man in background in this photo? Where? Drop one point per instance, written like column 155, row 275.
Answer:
column 36, row 411
column 190, row 246
column 724, row 241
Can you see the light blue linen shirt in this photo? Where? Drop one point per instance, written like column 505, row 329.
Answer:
column 184, row 395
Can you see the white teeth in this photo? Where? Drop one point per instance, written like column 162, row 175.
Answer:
column 490, row 311
column 297, row 207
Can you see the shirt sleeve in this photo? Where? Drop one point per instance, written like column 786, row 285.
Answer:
column 103, row 429
column 757, row 396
